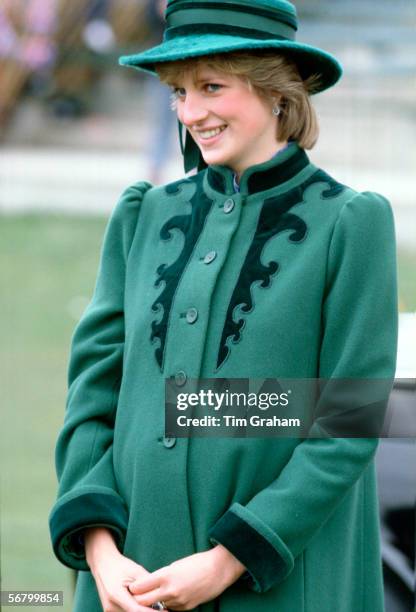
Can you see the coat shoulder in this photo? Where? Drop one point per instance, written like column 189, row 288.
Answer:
column 346, row 198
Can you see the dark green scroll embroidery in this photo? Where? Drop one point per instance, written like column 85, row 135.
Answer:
column 191, row 225
column 274, row 219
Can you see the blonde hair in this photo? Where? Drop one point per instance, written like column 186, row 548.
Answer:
column 269, row 74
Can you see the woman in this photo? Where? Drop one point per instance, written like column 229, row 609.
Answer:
column 260, row 265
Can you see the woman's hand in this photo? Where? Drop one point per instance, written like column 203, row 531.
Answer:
column 112, row 572
column 190, row 581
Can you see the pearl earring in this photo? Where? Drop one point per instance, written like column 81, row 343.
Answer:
column 276, row 110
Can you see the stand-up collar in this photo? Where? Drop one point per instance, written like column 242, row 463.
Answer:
column 269, row 174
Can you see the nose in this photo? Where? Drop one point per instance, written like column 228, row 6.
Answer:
column 192, row 110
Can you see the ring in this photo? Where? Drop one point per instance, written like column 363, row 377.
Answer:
column 159, row 605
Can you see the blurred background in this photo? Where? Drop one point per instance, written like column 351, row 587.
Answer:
column 75, row 130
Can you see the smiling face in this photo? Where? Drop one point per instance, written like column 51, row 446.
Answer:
column 231, row 124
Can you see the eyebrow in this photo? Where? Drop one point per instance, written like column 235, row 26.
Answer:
column 201, row 80
column 207, row 79
column 196, row 82
column 212, row 77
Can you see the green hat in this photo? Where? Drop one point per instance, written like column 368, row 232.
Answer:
column 203, row 27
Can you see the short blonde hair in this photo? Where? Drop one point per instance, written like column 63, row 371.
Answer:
column 269, row 74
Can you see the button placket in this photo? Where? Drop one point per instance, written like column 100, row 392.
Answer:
column 192, row 297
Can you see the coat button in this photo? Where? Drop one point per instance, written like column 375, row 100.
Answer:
column 228, row 206
column 169, row 441
column 191, row 315
column 180, row 378
column 210, row 257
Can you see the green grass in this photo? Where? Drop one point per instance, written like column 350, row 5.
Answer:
column 407, row 280
column 47, row 272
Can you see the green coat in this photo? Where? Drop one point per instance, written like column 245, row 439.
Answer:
column 303, row 285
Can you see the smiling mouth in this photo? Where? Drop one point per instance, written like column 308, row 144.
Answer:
column 208, row 134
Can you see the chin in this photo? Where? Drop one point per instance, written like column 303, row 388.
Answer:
column 212, row 158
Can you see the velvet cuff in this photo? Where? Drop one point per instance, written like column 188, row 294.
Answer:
column 266, row 557
column 71, row 517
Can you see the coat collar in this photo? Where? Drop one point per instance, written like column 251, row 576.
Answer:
column 260, row 177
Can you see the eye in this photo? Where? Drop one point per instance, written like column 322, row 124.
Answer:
column 178, row 92
column 214, row 87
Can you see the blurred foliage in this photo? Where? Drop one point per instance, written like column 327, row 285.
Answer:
column 47, row 270
column 55, row 49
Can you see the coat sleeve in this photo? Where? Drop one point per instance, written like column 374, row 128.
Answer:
column 87, row 493
column 359, row 321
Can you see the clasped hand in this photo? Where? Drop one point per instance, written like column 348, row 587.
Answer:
column 188, row 582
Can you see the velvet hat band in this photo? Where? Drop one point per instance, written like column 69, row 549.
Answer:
column 278, row 11
column 199, row 17
column 219, row 28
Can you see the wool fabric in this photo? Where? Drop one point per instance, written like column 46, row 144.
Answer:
column 303, row 285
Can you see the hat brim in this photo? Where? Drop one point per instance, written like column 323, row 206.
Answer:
column 310, row 60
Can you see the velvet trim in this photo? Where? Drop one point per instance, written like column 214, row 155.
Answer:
column 265, row 176
column 87, row 510
column 239, row 25
column 275, row 15
column 191, row 226
column 219, row 28
column 217, row 180
column 260, row 180
column 274, row 219
column 264, row 563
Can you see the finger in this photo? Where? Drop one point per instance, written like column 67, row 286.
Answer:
column 103, row 594
column 149, row 598
column 127, row 602
column 147, row 583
